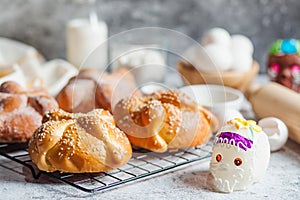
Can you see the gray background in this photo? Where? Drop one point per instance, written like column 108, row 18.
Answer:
column 41, row 23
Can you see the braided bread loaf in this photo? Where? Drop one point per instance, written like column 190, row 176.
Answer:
column 21, row 111
column 164, row 120
column 79, row 143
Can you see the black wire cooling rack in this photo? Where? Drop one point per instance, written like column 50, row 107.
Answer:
column 142, row 164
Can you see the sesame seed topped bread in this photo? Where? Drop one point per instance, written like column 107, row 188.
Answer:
column 21, row 111
column 78, row 143
column 164, row 120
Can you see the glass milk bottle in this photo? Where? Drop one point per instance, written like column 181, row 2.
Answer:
column 83, row 36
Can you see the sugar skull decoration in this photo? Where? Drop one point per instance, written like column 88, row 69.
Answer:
column 284, row 63
column 240, row 155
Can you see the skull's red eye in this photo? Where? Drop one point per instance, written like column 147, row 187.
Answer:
column 238, row 161
column 218, row 158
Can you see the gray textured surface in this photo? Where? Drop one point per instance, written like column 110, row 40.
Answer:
column 41, row 23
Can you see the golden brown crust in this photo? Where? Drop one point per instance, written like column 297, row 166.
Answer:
column 164, row 120
column 21, row 111
column 79, row 143
column 100, row 90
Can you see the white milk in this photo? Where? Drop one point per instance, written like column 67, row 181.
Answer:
column 84, row 36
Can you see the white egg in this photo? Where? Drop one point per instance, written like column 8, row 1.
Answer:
column 241, row 61
column 276, row 130
column 221, row 57
column 241, row 43
column 217, row 36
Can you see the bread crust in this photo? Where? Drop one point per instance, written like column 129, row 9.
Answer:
column 78, row 143
column 164, row 120
column 21, row 111
column 90, row 89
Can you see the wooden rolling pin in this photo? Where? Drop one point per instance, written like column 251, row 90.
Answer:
column 275, row 100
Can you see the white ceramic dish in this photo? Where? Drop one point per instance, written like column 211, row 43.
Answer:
column 223, row 101
column 215, row 96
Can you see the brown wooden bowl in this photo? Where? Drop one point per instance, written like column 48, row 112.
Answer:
column 237, row 80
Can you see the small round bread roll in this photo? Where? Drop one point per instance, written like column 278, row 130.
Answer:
column 79, row 143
